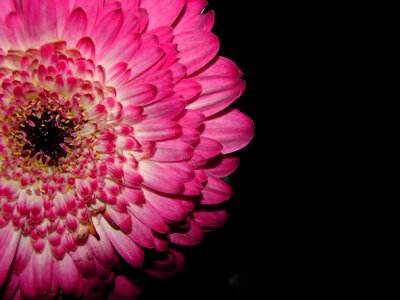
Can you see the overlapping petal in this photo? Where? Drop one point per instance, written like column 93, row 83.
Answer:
column 115, row 137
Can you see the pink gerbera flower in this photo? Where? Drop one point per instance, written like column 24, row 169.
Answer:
column 114, row 133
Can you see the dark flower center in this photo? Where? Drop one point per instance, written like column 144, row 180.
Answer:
column 46, row 136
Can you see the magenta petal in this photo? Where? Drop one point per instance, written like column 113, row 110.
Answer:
column 44, row 14
column 123, row 49
column 121, row 218
column 102, row 248
column 147, row 214
column 163, row 33
column 188, row 88
column 170, row 268
column 42, row 265
column 196, row 49
column 215, row 191
column 222, row 166
column 13, row 20
column 86, row 47
column 69, row 284
column 127, row 248
column 7, row 7
column 75, row 26
column 233, row 129
column 27, row 282
column 8, row 248
column 156, row 130
column 162, row 13
column 208, row 148
column 220, row 67
column 124, row 289
column 153, row 178
column 165, row 108
column 172, row 150
column 24, row 253
column 193, row 236
column 135, row 101
column 6, row 37
column 211, row 219
column 141, row 234
column 217, row 93
column 106, row 31
column 91, row 8
column 133, row 93
column 10, row 287
column 83, row 259
column 194, row 18
column 167, row 207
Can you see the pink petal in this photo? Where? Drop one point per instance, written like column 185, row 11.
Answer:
column 210, row 219
column 134, row 93
column 106, row 31
column 222, row 166
column 6, row 38
column 124, row 289
column 42, row 266
column 196, row 49
column 83, row 259
column 141, row 234
column 121, row 219
column 193, row 17
column 68, row 276
column 187, row 88
column 8, row 247
column 123, row 49
column 44, row 14
column 144, row 58
column 160, row 177
column 233, row 129
column 136, row 20
column 86, row 47
column 162, row 13
column 102, row 272
column 148, row 215
column 162, row 80
column 191, row 118
column 165, row 206
column 215, row 191
column 14, row 21
column 217, row 93
column 164, row 34
column 166, row 108
column 172, row 150
column 102, row 248
column 156, row 130
column 193, row 236
column 161, row 244
column 23, row 256
column 192, row 187
column 75, row 26
column 10, row 287
column 7, row 7
column 171, row 270
column 220, row 66
column 128, row 249
column 27, row 282
column 208, row 148
column 91, row 8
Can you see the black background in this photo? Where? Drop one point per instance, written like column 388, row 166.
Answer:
column 247, row 258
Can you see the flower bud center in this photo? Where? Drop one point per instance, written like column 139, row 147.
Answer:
column 45, row 136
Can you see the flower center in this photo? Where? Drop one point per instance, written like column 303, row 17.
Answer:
column 45, row 137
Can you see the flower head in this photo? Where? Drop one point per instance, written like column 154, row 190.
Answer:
column 115, row 132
